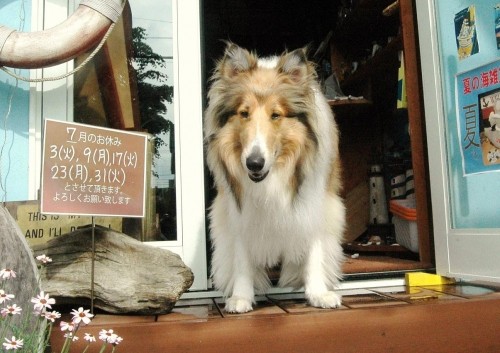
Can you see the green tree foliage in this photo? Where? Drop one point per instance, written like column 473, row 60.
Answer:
column 153, row 92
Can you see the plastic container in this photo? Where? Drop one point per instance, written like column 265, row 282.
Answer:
column 405, row 223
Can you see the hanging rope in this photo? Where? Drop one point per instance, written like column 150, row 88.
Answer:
column 10, row 100
column 108, row 8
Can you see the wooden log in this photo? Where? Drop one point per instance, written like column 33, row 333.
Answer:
column 129, row 276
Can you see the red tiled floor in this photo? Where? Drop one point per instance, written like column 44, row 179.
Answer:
column 416, row 295
column 458, row 318
column 463, row 290
column 263, row 307
column 200, row 312
column 295, row 303
column 370, row 300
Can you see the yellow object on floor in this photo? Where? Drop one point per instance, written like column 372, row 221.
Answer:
column 426, row 279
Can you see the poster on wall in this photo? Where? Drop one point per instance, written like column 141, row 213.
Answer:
column 478, row 113
column 466, row 33
column 89, row 170
column 497, row 25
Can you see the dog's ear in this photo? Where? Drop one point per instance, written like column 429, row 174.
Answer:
column 236, row 60
column 296, row 65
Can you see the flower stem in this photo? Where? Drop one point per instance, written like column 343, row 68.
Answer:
column 49, row 333
column 103, row 348
column 66, row 345
column 6, row 325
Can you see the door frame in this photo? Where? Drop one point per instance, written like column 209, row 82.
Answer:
column 468, row 254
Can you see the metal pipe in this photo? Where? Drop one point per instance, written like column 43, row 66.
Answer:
column 29, row 50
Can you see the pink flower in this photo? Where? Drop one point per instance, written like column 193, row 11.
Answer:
column 42, row 301
column 81, row 315
column 110, row 337
column 52, row 316
column 4, row 296
column 104, row 335
column 89, row 337
column 117, row 341
column 7, row 273
column 11, row 310
column 67, row 326
column 72, row 336
column 13, row 343
column 44, row 259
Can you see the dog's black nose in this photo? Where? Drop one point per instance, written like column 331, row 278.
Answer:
column 255, row 162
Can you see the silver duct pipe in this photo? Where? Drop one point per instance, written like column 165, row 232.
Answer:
column 80, row 32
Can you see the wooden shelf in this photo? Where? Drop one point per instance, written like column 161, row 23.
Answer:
column 348, row 102
column 383, row 60
column 376, row 80
column 358, row 247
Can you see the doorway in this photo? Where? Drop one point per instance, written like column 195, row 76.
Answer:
column 336, row 33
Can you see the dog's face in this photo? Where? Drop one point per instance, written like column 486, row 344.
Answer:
column 260, row 125
column 258, row 118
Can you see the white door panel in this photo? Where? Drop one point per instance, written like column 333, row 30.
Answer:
column 466, row 245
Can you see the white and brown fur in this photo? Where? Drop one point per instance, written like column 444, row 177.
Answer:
column 272, row 146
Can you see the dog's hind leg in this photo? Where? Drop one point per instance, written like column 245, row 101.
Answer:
column 315, row 279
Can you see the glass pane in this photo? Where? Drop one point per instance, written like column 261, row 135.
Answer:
column 474, row 197
column 14, row 114
column 129, row 85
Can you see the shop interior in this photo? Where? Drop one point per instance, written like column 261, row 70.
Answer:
column 361, row 49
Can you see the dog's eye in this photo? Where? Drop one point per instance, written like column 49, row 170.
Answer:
column 275, row 116
column 244, row 114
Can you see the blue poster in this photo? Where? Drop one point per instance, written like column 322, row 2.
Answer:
column 478, row 114
column 497, row 25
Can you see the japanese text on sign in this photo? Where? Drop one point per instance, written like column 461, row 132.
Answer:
column 480, row 80
column 92, row 170
column 478, row 118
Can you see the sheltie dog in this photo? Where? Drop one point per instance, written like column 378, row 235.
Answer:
column 272, row 147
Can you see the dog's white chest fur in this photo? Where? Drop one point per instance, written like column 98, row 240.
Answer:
column 272, row 222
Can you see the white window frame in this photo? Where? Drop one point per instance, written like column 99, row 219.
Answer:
column 466, row 253
column 188, row 112
column 54, row 99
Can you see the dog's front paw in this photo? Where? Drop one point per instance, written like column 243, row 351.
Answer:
column 238, row 305
column 325, row 300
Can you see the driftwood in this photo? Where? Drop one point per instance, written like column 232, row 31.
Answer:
column 16, row 255
column 129, row 276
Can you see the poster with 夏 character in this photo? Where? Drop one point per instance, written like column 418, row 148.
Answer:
column 478, row 114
